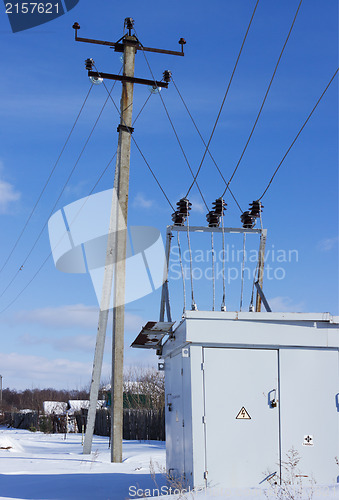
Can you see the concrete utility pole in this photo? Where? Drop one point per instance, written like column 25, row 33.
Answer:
column 117, row 237
column 103, row 318
column 123, row 164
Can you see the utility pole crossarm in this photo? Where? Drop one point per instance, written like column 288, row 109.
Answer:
column 118, row 47
column 129, row 79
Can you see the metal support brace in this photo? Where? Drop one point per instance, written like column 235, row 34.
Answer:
column 261, row 262
column 167, row 302
column 164, row 291
column 262, row 296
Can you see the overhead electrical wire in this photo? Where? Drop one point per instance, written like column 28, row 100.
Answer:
column 298, row 134
column 172, row 124
column 242, row 272
column 204, row 143
column 58, row 198
column 142, row 108
column 70, row 224
column 264, row 100
column 213, row 272
column 47, row 182
column 224, row 99
column 182, row 274
column 137, row 146
column 193, row 303
column 223, row 303
column 51, row 252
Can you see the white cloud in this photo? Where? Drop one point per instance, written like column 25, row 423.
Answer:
column 7, row 196
column 198, row 206
column 67, row 316
column 140, row 201
column 40, row 365
column 63, row 316
column 77, row 343
column 327, row 244
column 22, row 371
column 285, row 304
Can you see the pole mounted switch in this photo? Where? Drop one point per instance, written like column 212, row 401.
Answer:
column 89, row 64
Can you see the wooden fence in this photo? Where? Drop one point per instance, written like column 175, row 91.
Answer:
column 140, row 424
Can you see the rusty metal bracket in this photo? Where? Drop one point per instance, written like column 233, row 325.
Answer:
column 125, row 129
column 122, row 78
column 162, row 51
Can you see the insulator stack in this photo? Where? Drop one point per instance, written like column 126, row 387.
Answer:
column 218, row 209
column 129, row 23
column 89, row 64
column 219, row 206
column 178, row 219
column 248, row 221
column 183, row 210
column 256, row 208
column 184, row 207
column 213, row 219
column 167, row 76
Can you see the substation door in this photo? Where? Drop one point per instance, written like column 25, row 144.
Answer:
column 309, row 393
column 241, row 415
column 174, row 407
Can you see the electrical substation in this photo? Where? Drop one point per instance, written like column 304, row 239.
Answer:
column 242, row 389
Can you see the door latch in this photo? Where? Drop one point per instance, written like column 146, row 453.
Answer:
column 272, row 399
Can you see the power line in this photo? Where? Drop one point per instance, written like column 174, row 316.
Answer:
column 224, row 99
column 204, row 143
column 142, row 108
column 70, row 224
column 56, row 202
column 51, row 252
column 171, row 122
column 138, row 148
column 264, row 100
column 47, row 182
column 296, row 137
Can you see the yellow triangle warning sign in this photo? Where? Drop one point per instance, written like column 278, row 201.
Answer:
column 243, row 414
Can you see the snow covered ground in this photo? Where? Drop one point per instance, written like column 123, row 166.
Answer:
column 48, row 467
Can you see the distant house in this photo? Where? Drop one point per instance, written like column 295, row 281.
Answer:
column 133, row 396
column 54, row 407
column 76, row 405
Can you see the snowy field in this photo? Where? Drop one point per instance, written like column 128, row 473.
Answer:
column 47, row 466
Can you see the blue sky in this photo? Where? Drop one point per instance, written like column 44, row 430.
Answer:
column 48, row 333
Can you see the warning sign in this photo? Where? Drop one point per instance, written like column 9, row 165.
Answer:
column 308, row 441
column 243, row 414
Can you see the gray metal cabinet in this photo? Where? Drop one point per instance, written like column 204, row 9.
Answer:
column 242, row 389
column 240, row 386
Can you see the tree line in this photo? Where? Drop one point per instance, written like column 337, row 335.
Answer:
column 143, row 389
